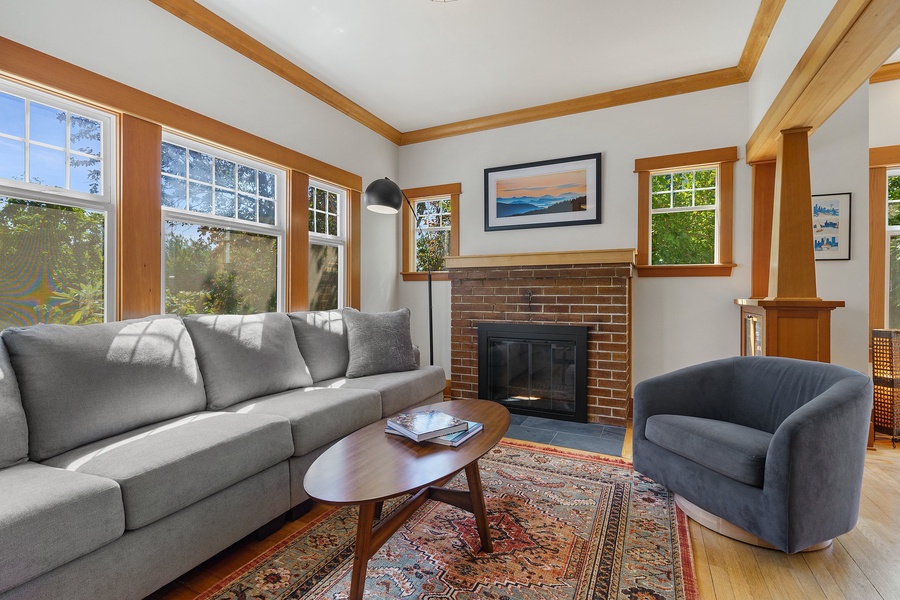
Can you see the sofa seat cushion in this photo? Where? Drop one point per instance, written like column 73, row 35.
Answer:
column 732, row 450
column 245, row 356
column 49, row 517
column 398, row 390
column 317, row 415
column 165, row 467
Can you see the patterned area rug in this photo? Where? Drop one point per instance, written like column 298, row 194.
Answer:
column 565, row 525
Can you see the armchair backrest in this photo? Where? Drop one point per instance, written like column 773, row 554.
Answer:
column 766, row 390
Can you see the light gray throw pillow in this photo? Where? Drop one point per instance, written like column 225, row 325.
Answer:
column 378, row 342
column 13, row 428
column 246, row 356
column 322, row 339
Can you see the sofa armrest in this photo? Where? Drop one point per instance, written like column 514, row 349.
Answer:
column 702, row 390
column 814, row 466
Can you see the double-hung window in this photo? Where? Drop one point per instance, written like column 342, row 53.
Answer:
column 685, row 213
column 432, row 234
column 326, row 274
column 223, row 220
column 57, row 210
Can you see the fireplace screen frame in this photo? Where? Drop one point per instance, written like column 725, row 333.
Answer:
column 575, row 335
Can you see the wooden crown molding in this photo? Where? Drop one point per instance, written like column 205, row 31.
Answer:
column 639, row 93
column 888, row 72
column 30, row 66
column 221, row 30
column 853, row 42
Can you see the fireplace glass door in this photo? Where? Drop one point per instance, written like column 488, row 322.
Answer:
column 533, row 371
column 537, row 375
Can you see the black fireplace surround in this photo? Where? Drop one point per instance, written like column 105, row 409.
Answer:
column 537, row 370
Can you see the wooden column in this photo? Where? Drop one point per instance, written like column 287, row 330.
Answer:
column 792, row 264
column 139, row 273
column 789, row 319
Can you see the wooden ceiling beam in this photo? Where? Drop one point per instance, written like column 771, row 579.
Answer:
column 855, row 40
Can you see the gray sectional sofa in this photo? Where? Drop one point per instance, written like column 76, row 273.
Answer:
column 132, row 451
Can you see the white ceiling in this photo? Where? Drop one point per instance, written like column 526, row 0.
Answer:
column 419, row 63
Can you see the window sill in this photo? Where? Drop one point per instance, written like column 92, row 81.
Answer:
column 723, row 270
column 423, row 276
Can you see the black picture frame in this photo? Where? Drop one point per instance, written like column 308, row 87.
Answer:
column 544, row 202
column 831, row 226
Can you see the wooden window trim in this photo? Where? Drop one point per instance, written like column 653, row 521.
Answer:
column 724, row 159
column 139, row 246
column 881, row 160
column 408, row 271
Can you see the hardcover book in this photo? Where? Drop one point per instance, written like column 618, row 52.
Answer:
column 425, row 425
column 450, row 439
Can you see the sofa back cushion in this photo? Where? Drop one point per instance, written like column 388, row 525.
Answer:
column 246, row 356
column 13, row 427
column 322, row 339
column 768, row 389
column 84, row 383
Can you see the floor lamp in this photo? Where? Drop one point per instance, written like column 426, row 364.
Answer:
column 385, row 197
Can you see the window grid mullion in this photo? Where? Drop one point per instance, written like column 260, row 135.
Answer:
column 27, row 140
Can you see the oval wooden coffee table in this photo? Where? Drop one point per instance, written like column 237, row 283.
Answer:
column 370, row 466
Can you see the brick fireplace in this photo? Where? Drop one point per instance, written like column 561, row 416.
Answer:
column 590, row 288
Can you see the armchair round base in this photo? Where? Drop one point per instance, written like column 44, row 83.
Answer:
column 721, row 526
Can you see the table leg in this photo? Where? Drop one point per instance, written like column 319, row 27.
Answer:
column 362, row 551
column 473, row 477
column 378, row 507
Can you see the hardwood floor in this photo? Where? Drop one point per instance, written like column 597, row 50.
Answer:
column 863, row 564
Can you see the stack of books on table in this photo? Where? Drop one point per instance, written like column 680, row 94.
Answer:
column 433, row 426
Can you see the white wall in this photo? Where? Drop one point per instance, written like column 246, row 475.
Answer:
column 795, row 28
column 137, row 43
column 884, row 114
column 677, row 321
column 839, row 162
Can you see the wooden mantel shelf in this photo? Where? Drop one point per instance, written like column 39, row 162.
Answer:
column 796, row 303
column 529, row 259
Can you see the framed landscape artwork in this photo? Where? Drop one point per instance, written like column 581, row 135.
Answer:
column 549, row 193
column 831, row 226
